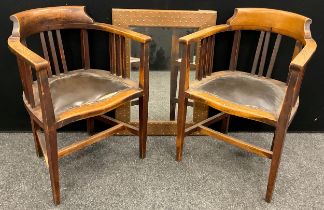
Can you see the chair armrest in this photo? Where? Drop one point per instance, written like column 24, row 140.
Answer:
column 122, row 31
column 20, row 50
column 296, row 72
column 198, row 35
column 300, row 61
column 40, row 65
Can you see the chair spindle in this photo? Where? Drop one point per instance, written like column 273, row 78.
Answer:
column 264, row 53
column 274, row 55
column 118, row 54
column 61, row 50
column 45, row 52
column 112, row 53
column 85, row 49
column 235, row 50
column 53, row 52
column 257, row 53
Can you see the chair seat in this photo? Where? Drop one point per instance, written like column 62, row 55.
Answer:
column 229, row 90
column 79, row 88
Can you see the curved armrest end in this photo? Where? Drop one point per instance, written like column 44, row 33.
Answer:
column 20, row 50
column 300, row 61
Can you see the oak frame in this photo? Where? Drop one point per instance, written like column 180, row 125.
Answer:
column 162, row 18
column 267, row 21
column 42, row 116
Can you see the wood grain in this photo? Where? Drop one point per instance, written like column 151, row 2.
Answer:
column 276, row 21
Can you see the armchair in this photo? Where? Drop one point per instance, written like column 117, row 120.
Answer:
column 252, row 95
column 60, row 96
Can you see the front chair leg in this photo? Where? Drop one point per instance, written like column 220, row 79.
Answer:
column 143, row 115
column 35, row 128
column 278, row 143
column 181, row 124
column 52, row 156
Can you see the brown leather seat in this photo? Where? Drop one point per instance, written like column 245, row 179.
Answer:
column 83, row 87
column 243, row 89
column 76, row 91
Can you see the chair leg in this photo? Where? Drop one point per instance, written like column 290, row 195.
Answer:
column 272, row 144
column 90, row 126
column 35, row 128
column 143, row 115
column 225, row 124
column 52, row 156
column 173, row 92
column 278, row 143
column 181, row 124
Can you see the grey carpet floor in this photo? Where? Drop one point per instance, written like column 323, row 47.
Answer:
column 212, row 175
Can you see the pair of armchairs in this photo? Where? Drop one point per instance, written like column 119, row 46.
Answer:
column 58, row 96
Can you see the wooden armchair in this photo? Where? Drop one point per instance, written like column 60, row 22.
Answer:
column 60, row 96
column 252, row 95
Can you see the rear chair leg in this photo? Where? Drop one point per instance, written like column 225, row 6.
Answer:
column 52, row 155
column 35, row 128
column 90, row 126
column 181, row 123
column 273, row 140
column 278, row 143
column 143, row 115
column 225, row 124
column 173, row 92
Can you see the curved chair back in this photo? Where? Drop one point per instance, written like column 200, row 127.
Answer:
column 45, row 19
column 268, row 22
column 277, row 21
column 48, row 23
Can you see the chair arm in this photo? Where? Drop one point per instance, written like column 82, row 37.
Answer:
column 40, row 65
column 296, row 72
column 121, row 31
column 300, row 61
column 20, row 50
column 198, row 35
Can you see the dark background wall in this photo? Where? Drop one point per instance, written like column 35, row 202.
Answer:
column 310, row 116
